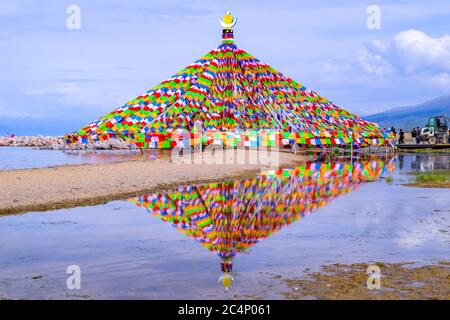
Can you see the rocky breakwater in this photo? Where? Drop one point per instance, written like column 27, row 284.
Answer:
column 47, row 142
column 57, row 143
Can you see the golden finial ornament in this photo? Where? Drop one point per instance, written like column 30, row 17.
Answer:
column 228, row 21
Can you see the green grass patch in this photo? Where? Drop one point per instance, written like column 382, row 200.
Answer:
column 433, row 176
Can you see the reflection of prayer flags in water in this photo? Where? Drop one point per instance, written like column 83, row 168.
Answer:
column 228, row 217
column 230, row 90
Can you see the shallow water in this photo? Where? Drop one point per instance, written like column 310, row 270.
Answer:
column 125, row 252
column 26, row 158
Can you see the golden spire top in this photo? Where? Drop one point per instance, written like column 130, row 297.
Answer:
column 228, row 21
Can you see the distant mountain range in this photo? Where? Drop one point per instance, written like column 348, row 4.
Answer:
column 35, row 126
column 410, row 117
column 403, row 117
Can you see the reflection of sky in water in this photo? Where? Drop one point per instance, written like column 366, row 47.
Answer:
column 229, row 217
column 125, row 253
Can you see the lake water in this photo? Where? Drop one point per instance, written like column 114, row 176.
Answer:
column 25, row 158
column 170, row 245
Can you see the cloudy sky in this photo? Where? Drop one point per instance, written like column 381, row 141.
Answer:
column 123, row 48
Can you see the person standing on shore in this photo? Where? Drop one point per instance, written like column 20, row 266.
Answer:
column 393, row 131
column 418, row 135
column 401, row 137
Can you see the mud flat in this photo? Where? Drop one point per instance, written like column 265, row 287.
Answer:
column 429, row 184
column 77, row 185
column 398, row 281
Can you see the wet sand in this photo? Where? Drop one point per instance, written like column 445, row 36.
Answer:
column 79, row 185
column 399, row 281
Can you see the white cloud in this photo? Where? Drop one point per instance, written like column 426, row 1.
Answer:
column 6, row 112
column 442, row 80
column 81, row 95
column 377, row 46
column 302, row 35
column 60, row 89
column 417, row 50
column 374, row 64
column 411, row 54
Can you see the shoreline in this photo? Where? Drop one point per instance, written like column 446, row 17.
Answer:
column 68, row 186
column 434, row 184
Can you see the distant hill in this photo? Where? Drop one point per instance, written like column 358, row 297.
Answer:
column 33, row 126
column 412, row 116
column 403, row 117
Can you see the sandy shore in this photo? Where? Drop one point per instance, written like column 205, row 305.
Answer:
column 78, row 185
